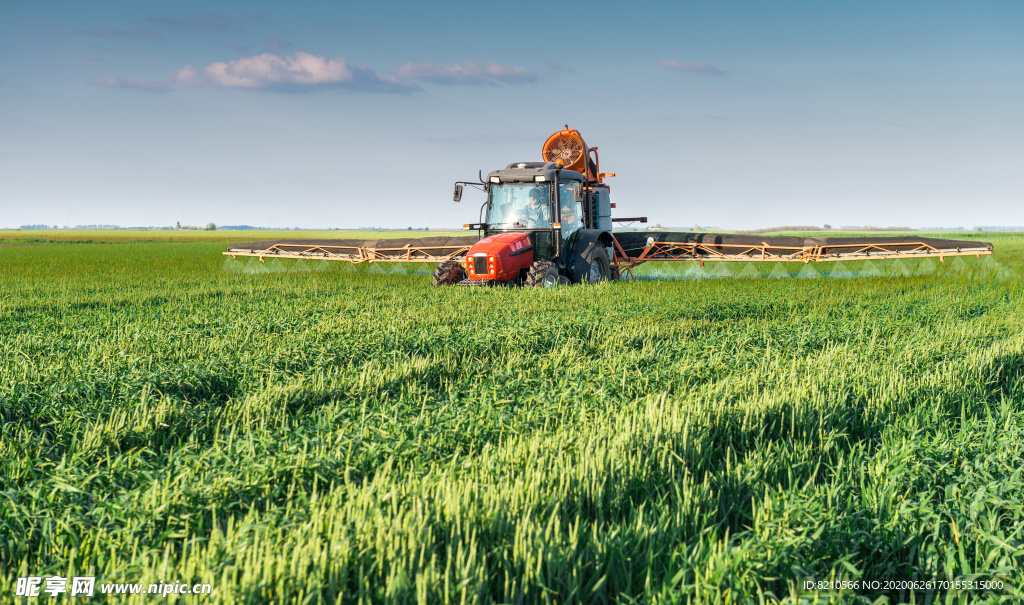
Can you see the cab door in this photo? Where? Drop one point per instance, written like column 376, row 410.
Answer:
column 570, row 211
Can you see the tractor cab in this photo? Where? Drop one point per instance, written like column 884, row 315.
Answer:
column 538, row 199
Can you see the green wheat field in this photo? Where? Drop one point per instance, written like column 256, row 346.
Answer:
column 315, row 432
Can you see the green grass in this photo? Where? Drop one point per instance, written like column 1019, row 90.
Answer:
column 320, row 432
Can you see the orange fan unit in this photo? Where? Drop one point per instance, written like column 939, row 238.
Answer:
column 568, row 146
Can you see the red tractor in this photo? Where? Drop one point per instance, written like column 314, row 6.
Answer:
column 544, row 223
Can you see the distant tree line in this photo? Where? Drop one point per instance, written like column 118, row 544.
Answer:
column 75, row 227
column 789, row 228
column 824, row 228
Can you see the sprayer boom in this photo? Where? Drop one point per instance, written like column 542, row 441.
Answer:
column 551, row 222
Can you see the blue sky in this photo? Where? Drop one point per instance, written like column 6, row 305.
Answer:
column 316, row 114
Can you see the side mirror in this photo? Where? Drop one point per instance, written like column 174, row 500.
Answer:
column 577, row 193
column 458, row 193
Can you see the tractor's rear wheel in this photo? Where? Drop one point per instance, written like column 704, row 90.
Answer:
column 600, row 267
column 448, row 273
column 543, row 274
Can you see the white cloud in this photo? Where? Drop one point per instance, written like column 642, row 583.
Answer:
column 699, row 67
column 267, row 70
column 301, row 70
column 467, row 72
column 305, row 71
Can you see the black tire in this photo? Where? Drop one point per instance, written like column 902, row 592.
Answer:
column 448, row 273
column 599, row 269
column 543, row 274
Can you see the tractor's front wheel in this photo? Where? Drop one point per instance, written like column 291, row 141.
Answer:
column 448, row 273
column 543, row 274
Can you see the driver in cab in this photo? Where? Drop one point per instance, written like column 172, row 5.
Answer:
column 536, row 213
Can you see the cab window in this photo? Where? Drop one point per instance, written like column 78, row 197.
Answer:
column 519, row 206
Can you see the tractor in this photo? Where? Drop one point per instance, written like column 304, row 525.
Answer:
column 543, row 224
